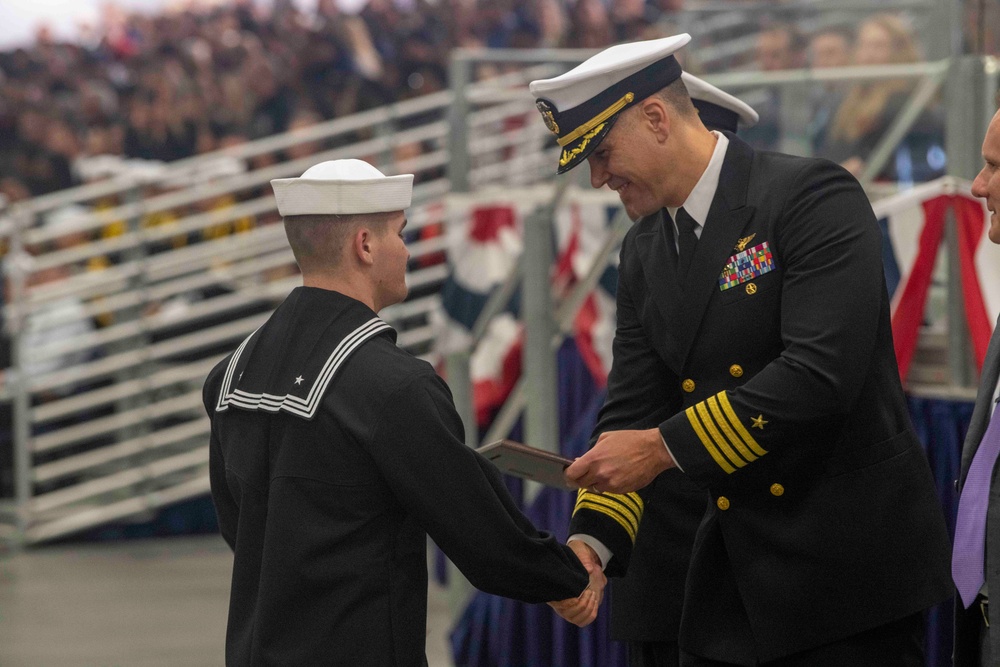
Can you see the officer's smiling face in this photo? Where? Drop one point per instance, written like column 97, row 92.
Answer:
column 625, row 163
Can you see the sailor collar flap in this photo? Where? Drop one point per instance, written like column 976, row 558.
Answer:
column 289, row 363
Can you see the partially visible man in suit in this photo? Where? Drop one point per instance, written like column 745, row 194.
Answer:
column 646, row 601
column 754, row 332
column 976, row 558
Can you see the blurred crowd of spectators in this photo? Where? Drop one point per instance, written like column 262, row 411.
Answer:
column 845, row 121
column 179, row 83
column 172, row 85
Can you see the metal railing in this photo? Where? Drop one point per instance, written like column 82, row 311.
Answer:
column 108, row 421
column 177, row 266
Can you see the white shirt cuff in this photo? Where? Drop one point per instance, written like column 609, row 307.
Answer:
column 676, row 462
column 602, row 551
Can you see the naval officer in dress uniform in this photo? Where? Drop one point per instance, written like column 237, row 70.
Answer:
column 753, row 332
column 334, row 454
column 646, row 601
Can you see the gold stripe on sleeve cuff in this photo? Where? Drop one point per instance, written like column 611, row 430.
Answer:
column 623, row 503
column 723, row 424
column 625, row 523
column 738, row 425
column 631, row 501
column 706, row 442
column 713, row 432
column 614, row 502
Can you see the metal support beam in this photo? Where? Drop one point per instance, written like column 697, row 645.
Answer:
column 990, row 88
column 21, row 404
column 459, row 80
column 960, row 366
column 965, row 126
column 566, row 311
column 460, row 590
column 540, row 368
column 966, row 120
column 460, row 381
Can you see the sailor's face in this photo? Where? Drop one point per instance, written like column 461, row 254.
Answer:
column 392, row 258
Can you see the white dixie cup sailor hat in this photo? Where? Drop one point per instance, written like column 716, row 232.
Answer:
column 342, row 187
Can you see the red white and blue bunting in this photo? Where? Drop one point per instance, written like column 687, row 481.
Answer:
column 484, row 244
column 915, row 221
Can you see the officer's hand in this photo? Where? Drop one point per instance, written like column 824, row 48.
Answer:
column 588, row 557
column 582, row 610
column 621, row 462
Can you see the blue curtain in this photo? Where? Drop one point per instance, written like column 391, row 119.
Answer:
column 941, row 426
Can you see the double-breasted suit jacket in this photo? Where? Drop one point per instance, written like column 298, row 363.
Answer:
column 967, row 622
column 774, row 367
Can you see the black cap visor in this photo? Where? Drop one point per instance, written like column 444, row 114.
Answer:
column 577, row 151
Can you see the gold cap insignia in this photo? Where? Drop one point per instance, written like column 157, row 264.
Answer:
column 547, row 116
column 744, row 241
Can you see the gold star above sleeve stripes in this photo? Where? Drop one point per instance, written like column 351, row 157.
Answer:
column 626, row 509
column 722, row 433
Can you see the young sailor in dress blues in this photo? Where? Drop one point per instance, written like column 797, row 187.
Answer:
column 334, row 454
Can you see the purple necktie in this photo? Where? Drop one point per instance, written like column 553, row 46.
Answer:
column 970, row 527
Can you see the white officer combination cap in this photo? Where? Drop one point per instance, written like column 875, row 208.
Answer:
column 581, row 106
column 342, row 187
column 718, row 109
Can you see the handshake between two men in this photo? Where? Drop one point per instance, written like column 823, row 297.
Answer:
column 620, row 462
column 582, row 610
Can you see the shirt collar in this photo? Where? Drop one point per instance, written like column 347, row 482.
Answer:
column 700, row 200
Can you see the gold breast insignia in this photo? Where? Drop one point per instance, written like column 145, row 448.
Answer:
column 744, row 241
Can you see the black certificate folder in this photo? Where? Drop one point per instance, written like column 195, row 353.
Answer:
column 527, row 462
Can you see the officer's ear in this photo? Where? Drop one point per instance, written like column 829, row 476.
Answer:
column 655, row 116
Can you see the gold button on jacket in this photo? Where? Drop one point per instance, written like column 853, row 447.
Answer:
column 777, row 489
column 688, row 385
column 736, row 370
column 723, row 503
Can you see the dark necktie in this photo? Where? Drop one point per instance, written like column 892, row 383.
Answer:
column 686, row 242
column 970, row 526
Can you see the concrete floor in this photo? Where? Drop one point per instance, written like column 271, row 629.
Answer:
column 133, row 604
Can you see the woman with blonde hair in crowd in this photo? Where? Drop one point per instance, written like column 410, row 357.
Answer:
column 870, row 107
